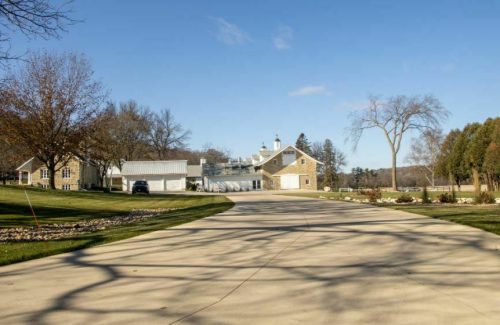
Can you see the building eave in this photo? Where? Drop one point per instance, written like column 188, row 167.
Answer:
column 283, row 149
column 22, row 167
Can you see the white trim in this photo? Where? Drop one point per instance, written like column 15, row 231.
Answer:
column 25, row 163
column 63, row 175
column 290, row 174
column 283, row 149
column 44, row 173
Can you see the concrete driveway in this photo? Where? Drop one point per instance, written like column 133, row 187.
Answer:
column 270, row 260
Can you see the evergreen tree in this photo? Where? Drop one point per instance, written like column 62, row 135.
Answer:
column 333, row 160
column 492, row 158
column 476, row 153
column 460, row 164
column 357, row 175
column 303, row 144
column 445, row 165
column 330, row 176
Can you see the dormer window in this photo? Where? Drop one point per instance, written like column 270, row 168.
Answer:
column 289, row 157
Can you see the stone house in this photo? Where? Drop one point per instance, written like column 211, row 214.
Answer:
column 76, row 174
column 286, row 168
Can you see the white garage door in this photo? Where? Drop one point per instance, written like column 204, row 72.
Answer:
column 173, row 183
column 155, row 183
column 160, row 183
column 290, row 182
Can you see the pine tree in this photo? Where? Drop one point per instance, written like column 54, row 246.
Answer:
column 330, row 176
column 303, row 144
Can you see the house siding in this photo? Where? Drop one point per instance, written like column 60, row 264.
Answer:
column 82, row 175
column 271, row 171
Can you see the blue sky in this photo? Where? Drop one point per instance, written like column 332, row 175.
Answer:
column 238, row 72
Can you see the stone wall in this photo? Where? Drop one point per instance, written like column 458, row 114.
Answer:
column 82, row 175
column 272, row 169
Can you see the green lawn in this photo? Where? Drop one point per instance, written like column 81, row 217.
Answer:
column 59, row 206
column 486, row 217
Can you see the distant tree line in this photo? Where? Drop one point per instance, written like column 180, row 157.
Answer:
column 408, row 176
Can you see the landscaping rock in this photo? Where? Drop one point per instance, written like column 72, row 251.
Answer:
column 67, row 230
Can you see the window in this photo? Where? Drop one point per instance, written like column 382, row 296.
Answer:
column 66, row 187
column 44, row 186
column 256, row 184
column 307, row 181
column 44, row 173
column 275, row 161
column 66, row 173
column 288, row 157
column 303, row 161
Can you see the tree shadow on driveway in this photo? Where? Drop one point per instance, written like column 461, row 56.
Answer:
column 271, row 260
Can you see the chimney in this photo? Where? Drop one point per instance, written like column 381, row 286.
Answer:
column 202, row 161
column 277, row 143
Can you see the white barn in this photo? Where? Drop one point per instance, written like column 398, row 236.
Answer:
column 165, row 175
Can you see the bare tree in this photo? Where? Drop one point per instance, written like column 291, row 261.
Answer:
column 395, row 117
column 33, row 18
column 214, row 154
column 11, row 157
column 317, row 150
column 425, row 151
column 132, row 126
column 49, row 105
column 102, row 146
column 165, row 134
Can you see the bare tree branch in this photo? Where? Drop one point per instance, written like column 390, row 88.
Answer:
column 32, row 18
column 395, row 117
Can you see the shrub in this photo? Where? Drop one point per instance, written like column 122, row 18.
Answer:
column 373, row 194
column 446, row 198
column 485, row 198
column 404, row 198
column 190, row 186
column 425, row 196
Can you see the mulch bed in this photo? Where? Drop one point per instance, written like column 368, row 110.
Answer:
column 67, row 230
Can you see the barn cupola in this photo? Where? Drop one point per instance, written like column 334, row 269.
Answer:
column 263, row 153
column 277, row 143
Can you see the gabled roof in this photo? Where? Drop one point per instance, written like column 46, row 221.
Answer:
column 274, row 154
column 194, row 171
column 27, row 165
column 155, row 167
